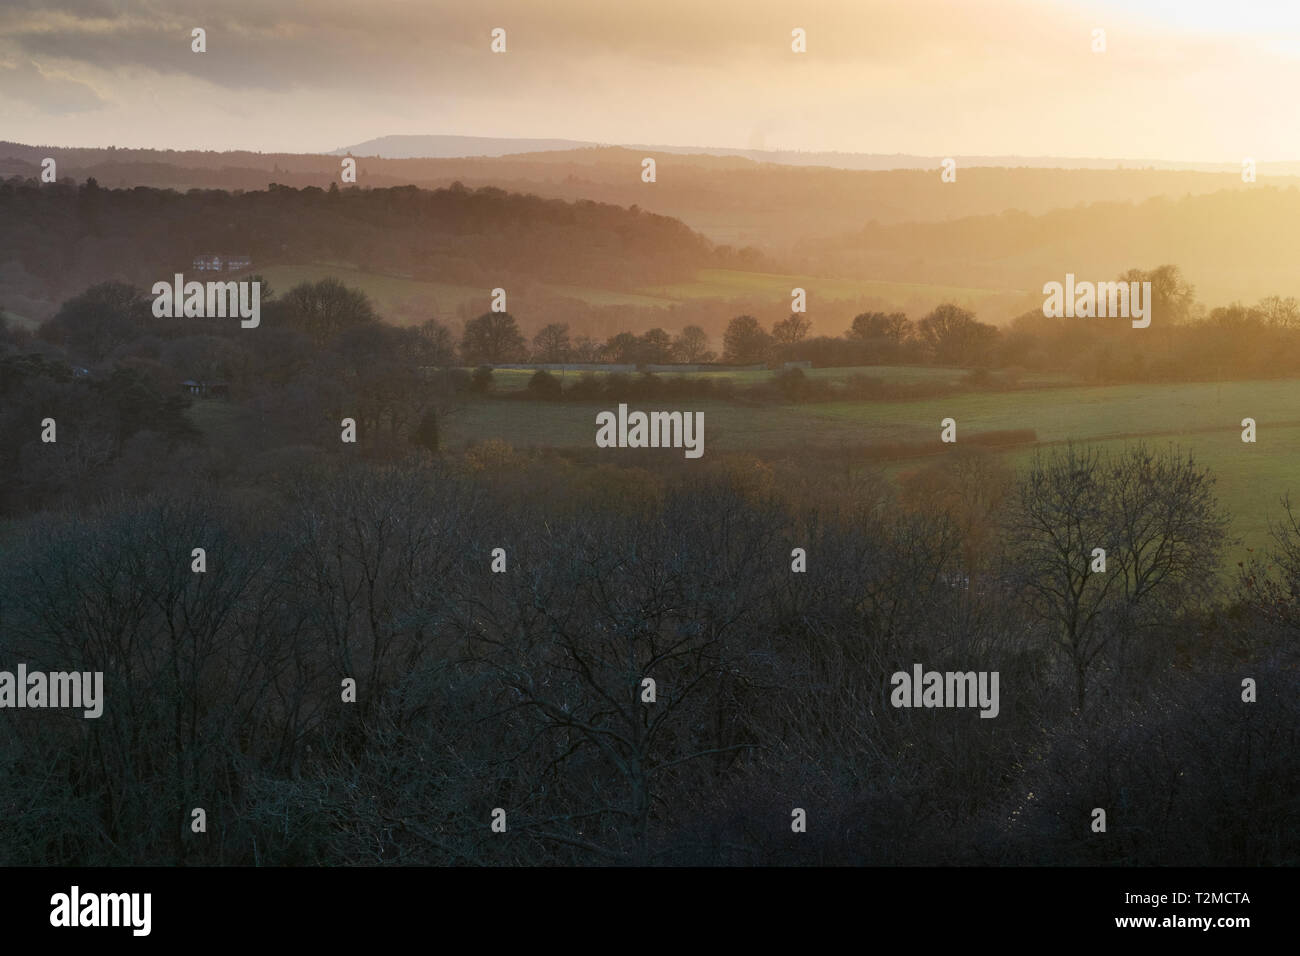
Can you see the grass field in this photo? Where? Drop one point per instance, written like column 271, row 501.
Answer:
column 395, row 296
column 1204, row 418
column 17, row 321
column 391, row 295
column 731, row 284
column 608, row 297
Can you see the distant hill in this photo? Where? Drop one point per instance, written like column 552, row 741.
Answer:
column 1232, row 244
column 56, row 240
column 446, row 147
column 732, row 199
column 1000, row 229
column 442, row 147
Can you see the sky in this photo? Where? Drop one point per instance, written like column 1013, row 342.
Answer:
column 1192, row 80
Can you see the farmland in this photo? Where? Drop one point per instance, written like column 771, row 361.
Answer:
column 1204, row 418
column 394, row 297
column 400, row 299
column 733, row 284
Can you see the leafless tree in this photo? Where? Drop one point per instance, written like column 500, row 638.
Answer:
column 1157, row 519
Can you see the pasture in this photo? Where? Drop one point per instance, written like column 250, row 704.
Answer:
column 1204, row 418
column 402, row 300
column 736, row 284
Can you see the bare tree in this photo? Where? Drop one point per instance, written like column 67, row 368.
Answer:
column 551, row 344
column 955, row 336
column 1155, row 517
column 692, row 346
column 745, row 341
column 1173, row 298
column 436, row 346
column 324, row 309
column 791, row 329
column 491, row 338
column 611, row 603
column 895, row 326
column 586, row 350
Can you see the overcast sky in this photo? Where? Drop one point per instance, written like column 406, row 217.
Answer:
column 1206, row 80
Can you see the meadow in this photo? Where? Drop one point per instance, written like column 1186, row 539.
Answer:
column 395, row 297
column 401, row 299
column 1203, row 417
column 18, row 321
column 736, row 284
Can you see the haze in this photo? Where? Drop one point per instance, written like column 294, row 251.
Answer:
column 1178, row 81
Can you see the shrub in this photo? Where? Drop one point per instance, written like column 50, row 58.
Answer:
column 544, row 385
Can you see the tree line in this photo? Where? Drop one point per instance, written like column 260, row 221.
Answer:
column 1185, row 342
column 67, row 237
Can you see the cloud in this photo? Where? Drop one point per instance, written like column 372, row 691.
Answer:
column 26, row 83
column 946, row 76
column 395, row 44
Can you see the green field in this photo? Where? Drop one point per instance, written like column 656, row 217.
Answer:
column 398, row 297
column 608, row 297
column 731, row 284
column 391, row 295
column 17, row 321
column 1204, row 418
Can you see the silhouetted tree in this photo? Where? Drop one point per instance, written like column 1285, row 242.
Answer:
column 691, row 346
column 791, row 329
column 426, row 434
column 656, row 347
column 1280, row 312
column 101, row 319
column 895, row 326
column 551, row 344
column 1271, row 582
column 623, row 348
column 435, row 344
column 1157, row 519
column 586, row 350
column 1172, row 296
column 324, row 309
column 491, row 338
column 745, row 341
column 955, row 337
column 544, row 385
